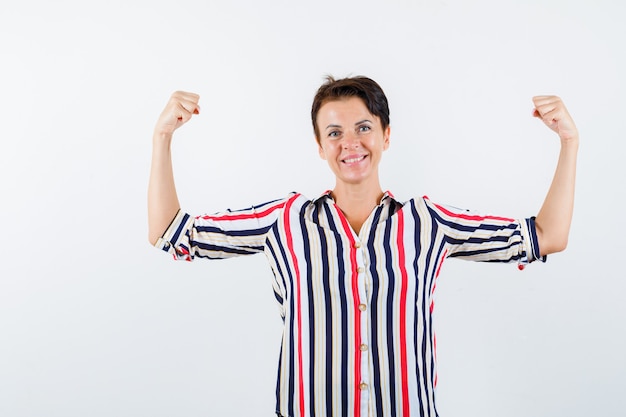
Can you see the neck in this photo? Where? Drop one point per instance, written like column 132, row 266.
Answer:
column 357, row 202
column 357, row 196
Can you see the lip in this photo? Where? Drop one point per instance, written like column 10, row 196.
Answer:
column 353, row 159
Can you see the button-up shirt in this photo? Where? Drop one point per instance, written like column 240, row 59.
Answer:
column 357, row 306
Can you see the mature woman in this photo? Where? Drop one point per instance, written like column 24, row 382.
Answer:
column 355, row 268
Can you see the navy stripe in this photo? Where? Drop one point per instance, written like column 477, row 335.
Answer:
column 430, row 273
column 328, row 324
column 279, row 273
column 390, row 314
column 532, row 229
column 476, row 226
column 469, row 253
column 309, row 284
column 278, row 298
column 481, row 240
column 341, row 278
column 272, row 254
column 290, row 329
column 378, row 395
column 180, row 228
column 234, row 251
column 227, row 232
column 473, row 225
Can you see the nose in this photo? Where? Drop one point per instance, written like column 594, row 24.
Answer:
column 351, row 141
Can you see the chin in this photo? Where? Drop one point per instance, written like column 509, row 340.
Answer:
column 353, row 180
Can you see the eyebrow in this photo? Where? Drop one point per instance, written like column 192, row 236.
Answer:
column 356, row 124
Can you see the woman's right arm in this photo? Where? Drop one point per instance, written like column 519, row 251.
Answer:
column 162, row 198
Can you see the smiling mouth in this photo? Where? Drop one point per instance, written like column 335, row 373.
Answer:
column 353, row 160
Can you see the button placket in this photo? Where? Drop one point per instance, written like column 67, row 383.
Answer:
column 363, row 321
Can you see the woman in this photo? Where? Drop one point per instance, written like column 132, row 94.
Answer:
column 355, row 269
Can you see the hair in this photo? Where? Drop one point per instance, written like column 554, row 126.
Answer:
column 359, row 86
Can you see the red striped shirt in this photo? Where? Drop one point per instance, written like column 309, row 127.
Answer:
column 357, row 305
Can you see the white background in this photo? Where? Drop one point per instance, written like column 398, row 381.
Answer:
column 95, row 322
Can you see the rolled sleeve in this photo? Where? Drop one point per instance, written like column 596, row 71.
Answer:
column 176, row 239
column 531, row 242
column 220, row 235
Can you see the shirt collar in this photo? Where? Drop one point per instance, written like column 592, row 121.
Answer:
column 387, row 197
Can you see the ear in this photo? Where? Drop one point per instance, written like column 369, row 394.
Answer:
column 386, row 136
column 321, row 150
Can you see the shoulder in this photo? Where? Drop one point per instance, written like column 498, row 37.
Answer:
column 427, row 207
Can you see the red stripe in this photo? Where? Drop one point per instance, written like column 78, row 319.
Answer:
column 403, row 308
column 298, row 299
column 243, row 216
column 445, row 253
column 357, row 314
column 468, row 216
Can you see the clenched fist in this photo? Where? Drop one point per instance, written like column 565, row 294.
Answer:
column 552, row 111
column 179, row 109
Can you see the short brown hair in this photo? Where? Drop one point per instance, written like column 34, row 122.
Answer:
column 359, row 86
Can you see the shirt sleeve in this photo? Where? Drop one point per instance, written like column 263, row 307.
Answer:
column 487, row 238
column 220, row 235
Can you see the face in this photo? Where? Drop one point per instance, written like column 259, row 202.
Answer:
column 351, row 140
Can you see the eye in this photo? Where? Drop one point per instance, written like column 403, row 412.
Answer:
column 334, row 134
column 364, row 128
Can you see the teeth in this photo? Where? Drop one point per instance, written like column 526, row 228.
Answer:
column 352, row 160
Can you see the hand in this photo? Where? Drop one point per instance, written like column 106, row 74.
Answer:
column 178, row 111
column 552, row 111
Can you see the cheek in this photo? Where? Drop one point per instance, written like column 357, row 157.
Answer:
column 328, row 149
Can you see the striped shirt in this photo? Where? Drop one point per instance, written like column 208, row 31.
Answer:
column 357, row 308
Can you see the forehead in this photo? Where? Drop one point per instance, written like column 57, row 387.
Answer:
column 343, row 109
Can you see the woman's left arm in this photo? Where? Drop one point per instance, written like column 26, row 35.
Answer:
column 555, row 217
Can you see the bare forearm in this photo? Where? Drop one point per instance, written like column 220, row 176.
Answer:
column 162, row 198
column 555, row 217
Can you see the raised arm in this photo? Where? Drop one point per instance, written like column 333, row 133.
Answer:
column 554, row 219
column 162, row 198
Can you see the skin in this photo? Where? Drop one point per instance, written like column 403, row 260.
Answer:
column 162, row 197
column 555, row 216
column 352, row 142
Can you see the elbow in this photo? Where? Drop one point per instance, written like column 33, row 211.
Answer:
column 548, row 247
column 153, row 239
column 551, row 241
